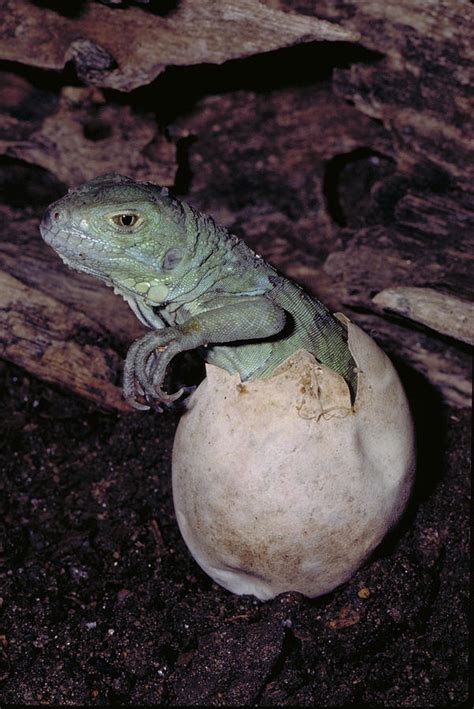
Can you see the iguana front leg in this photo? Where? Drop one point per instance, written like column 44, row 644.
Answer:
column 247, row 318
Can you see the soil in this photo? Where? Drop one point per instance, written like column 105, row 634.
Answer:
column 102, row 603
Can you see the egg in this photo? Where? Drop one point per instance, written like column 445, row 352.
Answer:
column 283, row 484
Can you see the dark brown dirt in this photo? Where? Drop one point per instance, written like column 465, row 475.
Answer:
column 101, row 602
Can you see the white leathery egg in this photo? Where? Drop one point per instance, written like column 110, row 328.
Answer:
column 280, row 485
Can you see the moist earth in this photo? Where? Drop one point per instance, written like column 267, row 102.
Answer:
column 101, row 602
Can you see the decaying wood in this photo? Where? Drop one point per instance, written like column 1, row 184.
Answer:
column 123, row 52
column 259, row 166
column 428, row 244
column 78, row 134
column 278, row 204
column 31, row 261
column 63, row 327
column 57, row 344
column 355, row 184
column 445, row 367
column 421, row 87
column 444, row 313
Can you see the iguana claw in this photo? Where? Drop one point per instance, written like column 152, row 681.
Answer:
column 144, row 371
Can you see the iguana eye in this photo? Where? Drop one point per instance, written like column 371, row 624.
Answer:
column 125, row 220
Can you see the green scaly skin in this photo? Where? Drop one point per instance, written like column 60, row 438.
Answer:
column 193, row 283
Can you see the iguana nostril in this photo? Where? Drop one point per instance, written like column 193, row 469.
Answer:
column 50, row 218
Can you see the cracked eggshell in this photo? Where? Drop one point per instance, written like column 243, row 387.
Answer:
column 280, row 485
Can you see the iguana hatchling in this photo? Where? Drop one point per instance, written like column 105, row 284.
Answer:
column 191, row 281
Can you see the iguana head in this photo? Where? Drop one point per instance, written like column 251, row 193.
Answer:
column 130, row 234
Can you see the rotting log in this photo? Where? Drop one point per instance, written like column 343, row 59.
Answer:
column 78, row 134
column 421, row 85
column 443, row 313
column 123, row 52
column 349, row 206
column 57, row 344
column 259, row 164
column 427, row 244
column 28, row 259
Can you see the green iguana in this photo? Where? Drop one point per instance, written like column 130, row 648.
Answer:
column 191, row 281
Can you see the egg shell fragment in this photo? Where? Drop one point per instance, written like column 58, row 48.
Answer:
column 280, row 484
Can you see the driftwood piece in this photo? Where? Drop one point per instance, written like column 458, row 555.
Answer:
column 122, row 52
column 57, row 344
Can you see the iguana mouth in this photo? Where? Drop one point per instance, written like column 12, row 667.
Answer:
column 73, row 246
